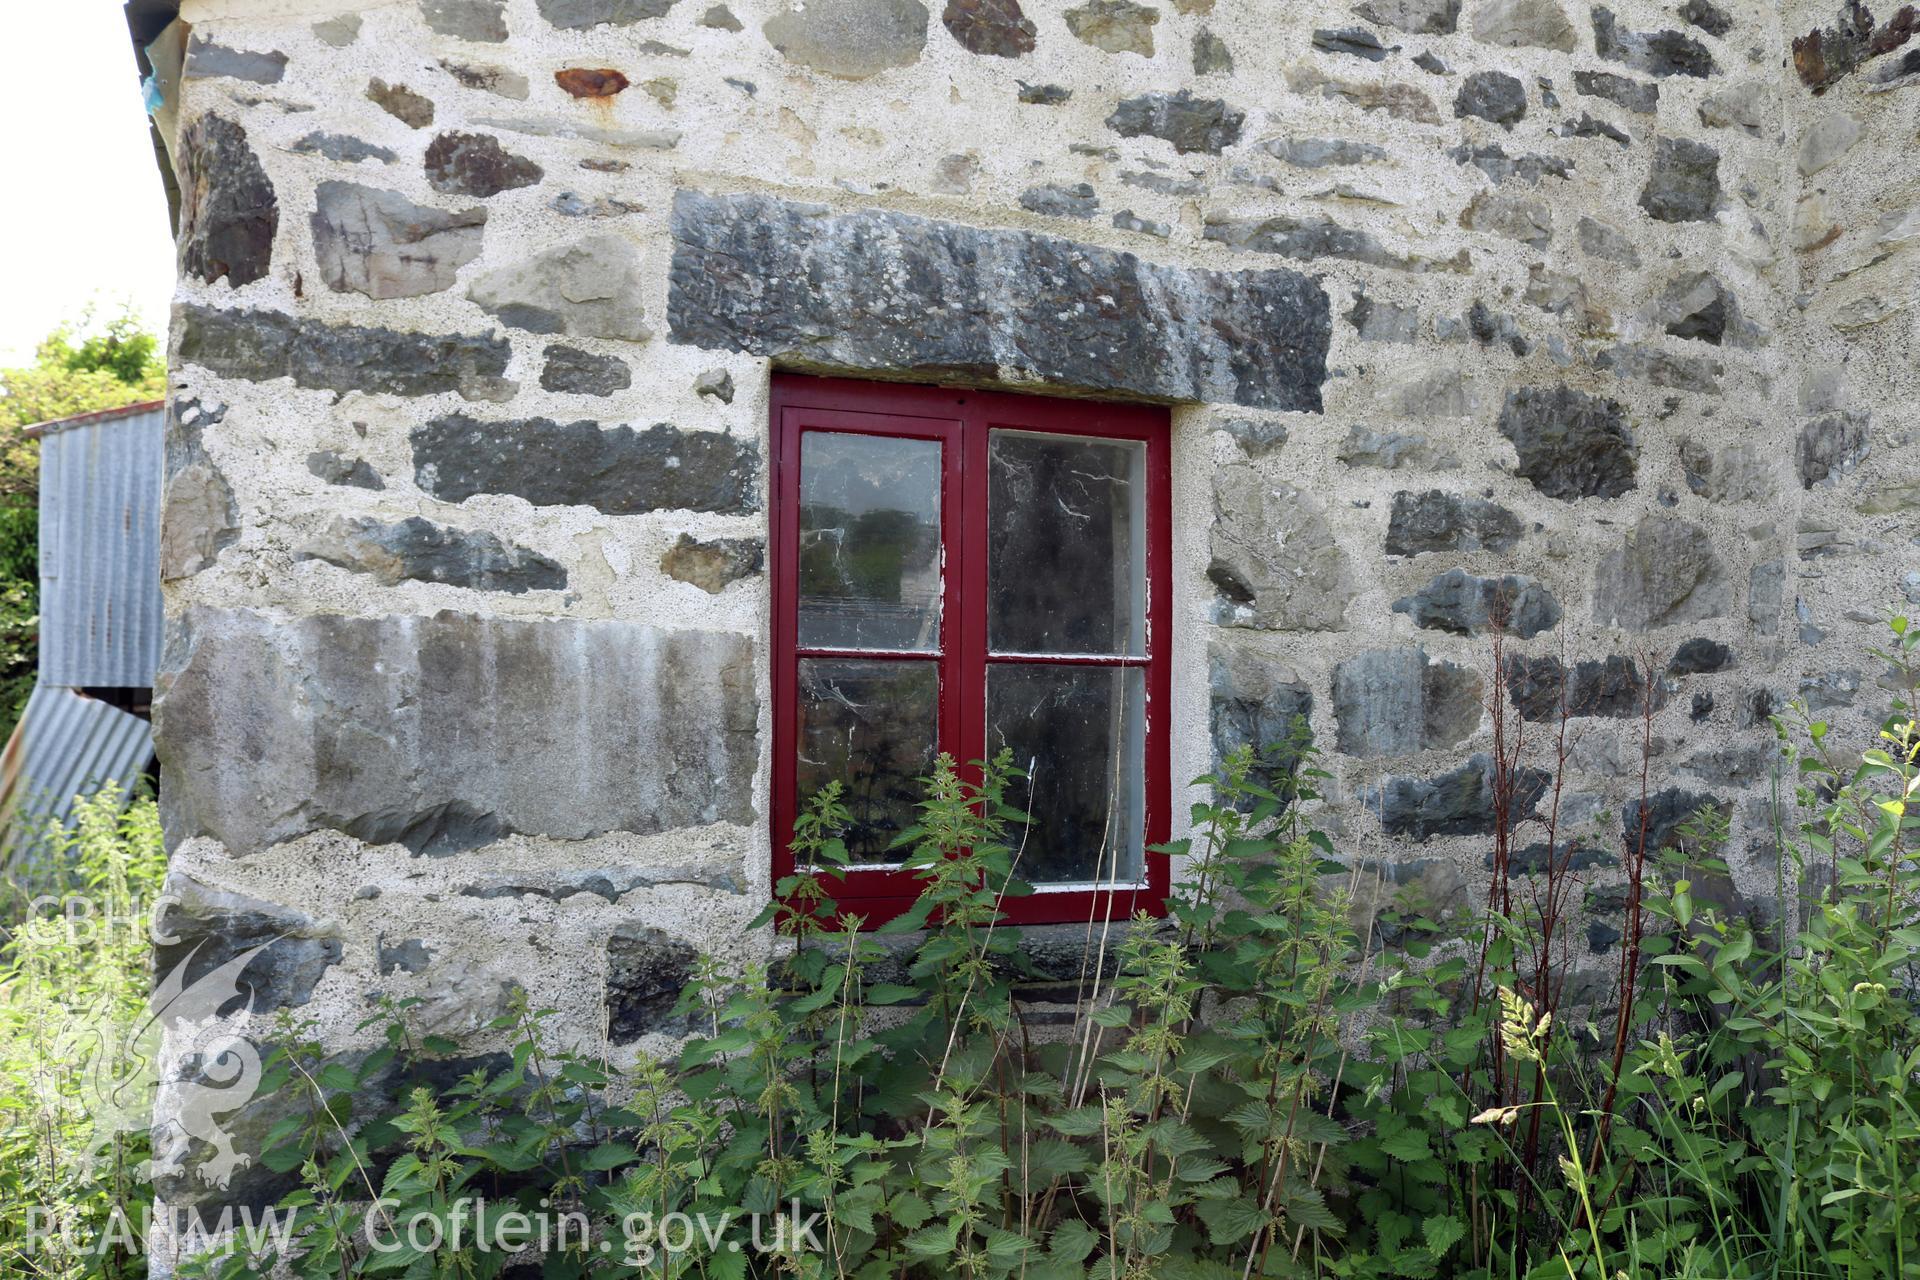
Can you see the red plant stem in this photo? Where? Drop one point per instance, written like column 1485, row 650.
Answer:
column 1547, row 986
column 1630, row 949
column 1499, row 891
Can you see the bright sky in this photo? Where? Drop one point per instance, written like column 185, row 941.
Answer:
column 83, row 217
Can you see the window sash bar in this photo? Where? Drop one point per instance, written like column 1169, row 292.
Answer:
column 1072, row 659
column 1010, row 659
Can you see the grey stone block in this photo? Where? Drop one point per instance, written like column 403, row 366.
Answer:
column 646, row 971
column 418, row 550
column 1491, row 95
column 446, row 732
column 1438, row 521
column 713, row 564
column 1395, row 702
column 1570, row 444
column 228, row 211
column 483, row 21
column 613, row 469
column 850, row 39
column 1115, row 26
column 263, row 345
column 585, row 373
column 850, row 291
column 1416, row 17
column 1665, row 571
column 992, row 28
column 1657, row 53
column 1275, row 561
column 1457, row 803
column 1684, row 183
column 383, row 245
column 578, row 15
column 1259, row 703
column 1459, row 602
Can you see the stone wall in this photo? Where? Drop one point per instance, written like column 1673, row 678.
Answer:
column 1592, row 323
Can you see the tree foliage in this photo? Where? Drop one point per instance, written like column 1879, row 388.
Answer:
column 80, row 367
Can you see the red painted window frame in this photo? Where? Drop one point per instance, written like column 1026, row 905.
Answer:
column 961, row 420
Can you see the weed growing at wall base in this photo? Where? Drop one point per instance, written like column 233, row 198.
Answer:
column 1284, row 1078
column 76, row 1088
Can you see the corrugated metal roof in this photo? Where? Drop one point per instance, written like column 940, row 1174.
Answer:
column 98, row 415
column 100, row 611
column 66, row 744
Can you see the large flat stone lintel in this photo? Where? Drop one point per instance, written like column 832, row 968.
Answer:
column 875, row 291
column 446, row 732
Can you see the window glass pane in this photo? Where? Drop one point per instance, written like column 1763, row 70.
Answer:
column 869, row 542
column 1066, row 544
column 1080, row 733
column 871, row 726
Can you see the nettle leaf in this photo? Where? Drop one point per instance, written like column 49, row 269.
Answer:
column 1231, row 1221
column 856, row 1210
column 909, row 1210
column 1408, row 1144
column 283, row 1159
column 700, row 1052
column 609, row 1155
column 1175, row 1138
column 1218, row 1188
column 1046, row 1268
column 1051, row 1158
column 814, row 1001
column 1442, row 1234
column 401, row 1174
column 1182, row 1267
column 1072, row 1240
column 1313, row 1126
column 1082, row 1122
column 1251, row 1118
column 1005, row 1247
column 338, row 1078
column 1197, row 1060
column 936, row 1241
column 1446, row 1108
column 1304, row 1206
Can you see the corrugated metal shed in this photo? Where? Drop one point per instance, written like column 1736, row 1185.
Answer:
column 67, row 744
column 100, row 612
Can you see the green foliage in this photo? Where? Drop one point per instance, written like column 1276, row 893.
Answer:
column 123, row 348
column 19, row 633
column 1286, row 1077
column 1258, row 1085
column 73, row 1000
column 80, row 367
column 1786, row 1130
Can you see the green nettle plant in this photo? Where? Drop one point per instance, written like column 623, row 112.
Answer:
column 74, row 983
column 1282, row 1078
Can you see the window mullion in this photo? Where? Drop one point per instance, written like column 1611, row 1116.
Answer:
column 967, row 564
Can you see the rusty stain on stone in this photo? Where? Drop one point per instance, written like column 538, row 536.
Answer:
column 1825, row 55
column 590, row 82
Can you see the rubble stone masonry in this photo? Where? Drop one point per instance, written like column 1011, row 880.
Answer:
column 1594, row 323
